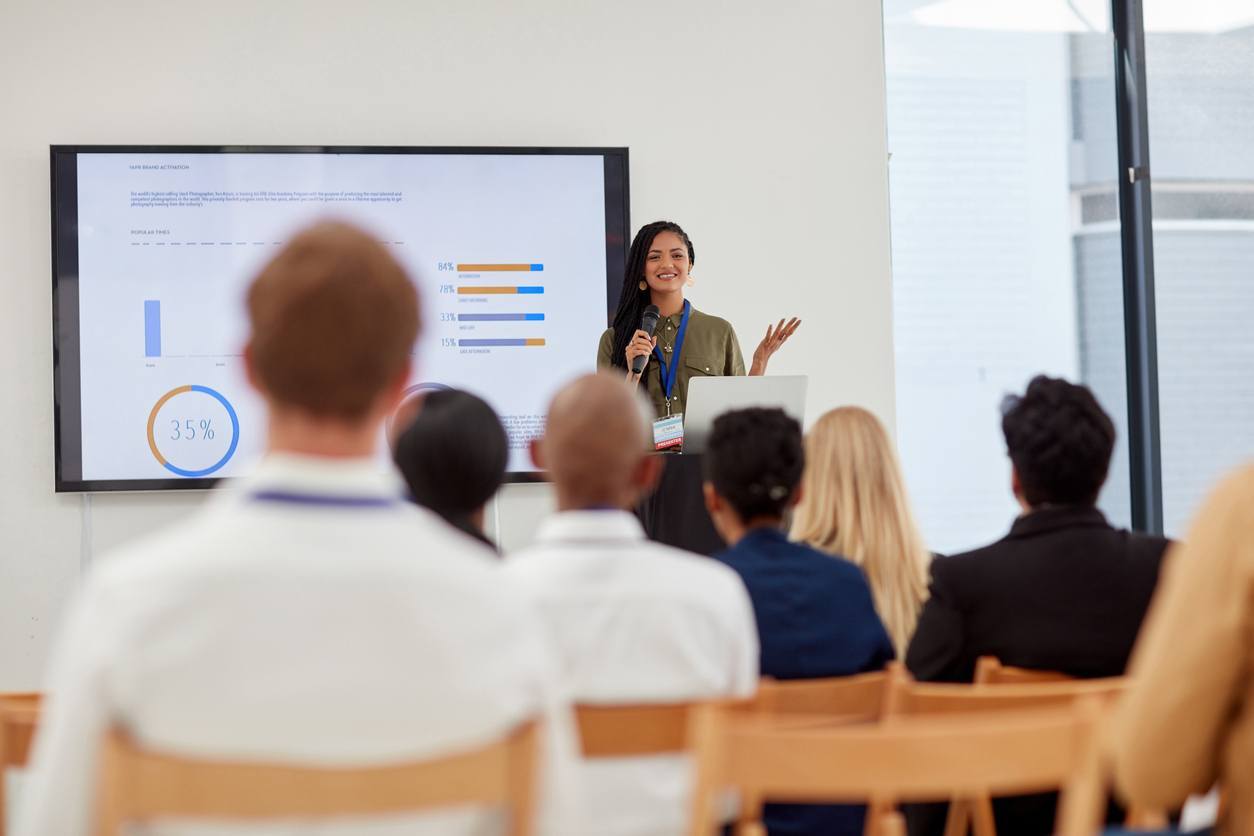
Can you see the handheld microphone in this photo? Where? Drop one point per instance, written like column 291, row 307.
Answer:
column 648, row 324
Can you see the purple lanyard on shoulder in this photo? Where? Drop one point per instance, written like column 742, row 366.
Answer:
column 323, row 500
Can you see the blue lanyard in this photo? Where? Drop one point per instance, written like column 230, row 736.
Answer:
column 669, row 375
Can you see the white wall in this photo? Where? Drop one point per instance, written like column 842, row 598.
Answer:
column 758, row 126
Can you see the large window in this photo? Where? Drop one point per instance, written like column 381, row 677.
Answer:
column 1200, row 79
column 1006, row 249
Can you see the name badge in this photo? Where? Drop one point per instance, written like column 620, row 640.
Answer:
column 668, row 432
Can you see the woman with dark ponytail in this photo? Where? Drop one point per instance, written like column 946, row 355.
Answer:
column 453, row 454
column 687, row 343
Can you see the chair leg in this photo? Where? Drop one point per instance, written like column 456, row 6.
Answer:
column 958, row 820
column 893, row 824
column 749, row 817
column 982, row 821
column 878, row 811
column 705, row 728
column 1143, row 819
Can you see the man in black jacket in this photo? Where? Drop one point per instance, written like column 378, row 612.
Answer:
column 1064, row 590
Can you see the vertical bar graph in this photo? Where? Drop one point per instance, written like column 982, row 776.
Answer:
column 152, row 328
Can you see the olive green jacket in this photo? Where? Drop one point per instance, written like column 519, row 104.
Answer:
column 710, row 349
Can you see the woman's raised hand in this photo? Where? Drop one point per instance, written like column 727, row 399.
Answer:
column 776, row 336
column 641, row 345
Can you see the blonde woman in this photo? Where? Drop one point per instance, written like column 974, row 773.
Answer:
column 853, row 504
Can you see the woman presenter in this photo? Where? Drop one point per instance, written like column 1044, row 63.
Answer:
column 687, row 343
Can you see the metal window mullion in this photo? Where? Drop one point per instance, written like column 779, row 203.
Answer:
column 1137, row 238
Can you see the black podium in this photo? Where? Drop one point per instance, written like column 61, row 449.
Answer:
column 675, row 513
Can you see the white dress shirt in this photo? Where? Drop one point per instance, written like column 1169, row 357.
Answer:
column 311, row 615
column 637, row 621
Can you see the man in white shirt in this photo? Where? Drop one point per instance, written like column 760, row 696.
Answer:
column 309, row 614
column 634, row 621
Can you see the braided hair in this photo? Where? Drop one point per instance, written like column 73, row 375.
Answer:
column 632, row 301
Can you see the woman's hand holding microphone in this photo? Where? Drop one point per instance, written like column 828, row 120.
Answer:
column 641, row 345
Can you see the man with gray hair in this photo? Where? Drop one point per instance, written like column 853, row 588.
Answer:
column 633, row 621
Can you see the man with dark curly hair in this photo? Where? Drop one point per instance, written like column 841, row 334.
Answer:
column 1063, row 590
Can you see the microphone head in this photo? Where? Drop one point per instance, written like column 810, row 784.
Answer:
column 648, row 322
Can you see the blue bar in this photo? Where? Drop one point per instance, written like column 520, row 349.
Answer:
column 530, row 289
column 152, row 328
column 537, row 268
column 500, row 317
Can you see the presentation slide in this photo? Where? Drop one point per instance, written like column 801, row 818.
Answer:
column 508, row 252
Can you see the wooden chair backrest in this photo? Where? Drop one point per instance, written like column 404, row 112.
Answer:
column 912, row 759
column 609, row 731
column 990, row 671
column 19, row 719
column 862, row 695
column 908, row 698
column 1004, row 689
column 138, row 785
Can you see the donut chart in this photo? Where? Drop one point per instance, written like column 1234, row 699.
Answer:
column 201, row 429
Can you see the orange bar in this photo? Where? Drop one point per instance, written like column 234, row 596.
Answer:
column 494, row 268
column 535, row 342
column 475, row 291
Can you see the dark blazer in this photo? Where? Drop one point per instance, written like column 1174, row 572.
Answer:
column 1063, row 591
column 815, row 618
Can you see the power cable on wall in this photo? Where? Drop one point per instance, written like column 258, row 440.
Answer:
column 85, row 535
column 496, row 519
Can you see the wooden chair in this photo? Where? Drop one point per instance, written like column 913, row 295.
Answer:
column 619, row 731
column 911, row 759
column 990, row 671
column 860, row 696
column 913, row 699
column 907, row 698
column 797, row 703
column 139, row 785
column 19, row 718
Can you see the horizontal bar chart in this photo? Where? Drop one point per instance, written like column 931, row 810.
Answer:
column 152, row 328
column 492, row 290
column 500, row 317
column 500, row 268
column 499, row 343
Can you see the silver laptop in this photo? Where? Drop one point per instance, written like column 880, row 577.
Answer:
column 710, row 397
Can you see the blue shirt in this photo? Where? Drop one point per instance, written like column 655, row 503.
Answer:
column 815, row 613
column 816, row 618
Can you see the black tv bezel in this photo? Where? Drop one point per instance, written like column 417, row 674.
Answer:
column 67, row 404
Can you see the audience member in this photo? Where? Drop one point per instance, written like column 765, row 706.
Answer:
column 1064, row 590
column 814, row 613
column 854, row 505
column 289, row 620
column 453, row 456
column 634, row 621
column 1189, row 718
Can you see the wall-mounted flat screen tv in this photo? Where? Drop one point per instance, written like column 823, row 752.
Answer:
column 518, row 254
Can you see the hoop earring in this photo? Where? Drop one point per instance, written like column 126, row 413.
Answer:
column 644, row 285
